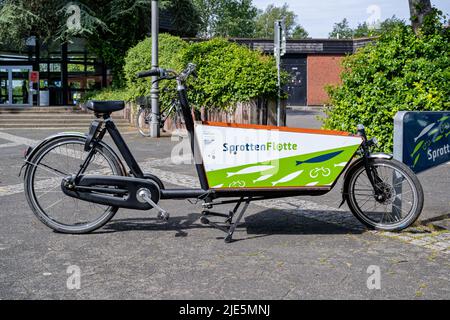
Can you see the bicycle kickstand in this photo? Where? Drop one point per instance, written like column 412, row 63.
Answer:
column 234, row 224
column 228, row 217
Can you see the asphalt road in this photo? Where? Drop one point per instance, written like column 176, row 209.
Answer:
column 296, row 248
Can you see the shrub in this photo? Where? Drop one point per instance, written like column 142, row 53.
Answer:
column 400, row 71
column 106, row 94
column 139, row 58
column 229, row 73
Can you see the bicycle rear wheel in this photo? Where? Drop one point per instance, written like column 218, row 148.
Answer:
column 53, row 162
column 143, row 119
column 399, row 203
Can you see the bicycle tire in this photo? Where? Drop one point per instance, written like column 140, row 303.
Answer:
column 143, row 121
column 36, row 204
column 407, row 175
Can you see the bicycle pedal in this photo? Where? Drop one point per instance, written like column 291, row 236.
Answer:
column 163, row 216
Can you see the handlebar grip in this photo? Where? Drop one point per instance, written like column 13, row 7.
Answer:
column 149, row 73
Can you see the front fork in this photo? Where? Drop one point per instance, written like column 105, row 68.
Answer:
column 372, row 173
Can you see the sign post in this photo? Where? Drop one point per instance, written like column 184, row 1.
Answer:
column 279, row 50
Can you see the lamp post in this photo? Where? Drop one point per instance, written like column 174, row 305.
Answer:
column 154, row 92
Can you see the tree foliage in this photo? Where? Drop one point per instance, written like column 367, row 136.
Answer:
column 112, row 44
column 237, row 19
column 266, row 20
column 186, row 19
column 299, row 33
column 129, row 22
column 366, row 30
column 226, row 18
column 400, row 71
column 341, row 30
column 45, row 19
column 110, row 27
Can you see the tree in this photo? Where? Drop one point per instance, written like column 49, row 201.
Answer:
column 236, row 19
column 110, row 27
column 129, row 22
column 207, row 10
column 43, row 19
column 229, row 18
column 266, row 20
column 341, row 30
column 185, row 18
column 363, row 30
column 390, row 24
column 366, row 30
column 419, row 9
column 299, row 33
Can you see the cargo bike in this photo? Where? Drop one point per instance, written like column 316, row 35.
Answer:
column 75, row 183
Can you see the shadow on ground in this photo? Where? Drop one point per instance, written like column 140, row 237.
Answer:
column 261, row 224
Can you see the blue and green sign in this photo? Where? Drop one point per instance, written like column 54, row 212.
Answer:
column 422, row 139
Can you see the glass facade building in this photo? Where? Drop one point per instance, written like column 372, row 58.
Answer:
column 55, row 75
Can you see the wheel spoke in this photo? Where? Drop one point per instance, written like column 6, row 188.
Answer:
column 53, row 204
column 47, row 168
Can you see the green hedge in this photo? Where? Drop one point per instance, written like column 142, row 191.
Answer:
column 400, row 71
column 139, row 58
column 107, row 94
column 227, row 72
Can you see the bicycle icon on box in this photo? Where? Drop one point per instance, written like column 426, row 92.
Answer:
column 324, row 172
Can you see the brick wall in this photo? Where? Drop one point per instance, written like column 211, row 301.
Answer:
column 321, row 70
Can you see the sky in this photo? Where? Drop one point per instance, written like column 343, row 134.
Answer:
column 319, row 16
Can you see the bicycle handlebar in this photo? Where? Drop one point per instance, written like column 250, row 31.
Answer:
column 149, row 73
column 164, row 74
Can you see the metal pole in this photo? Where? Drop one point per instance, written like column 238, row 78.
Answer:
column 277, row 52
column 154, row 93
column 278, row 97
column 279, row 94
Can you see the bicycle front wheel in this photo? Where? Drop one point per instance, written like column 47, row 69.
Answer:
column 399, row 201
column 143, row 119
column 54, row 161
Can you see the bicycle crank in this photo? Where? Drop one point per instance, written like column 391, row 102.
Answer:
column 144, row 196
